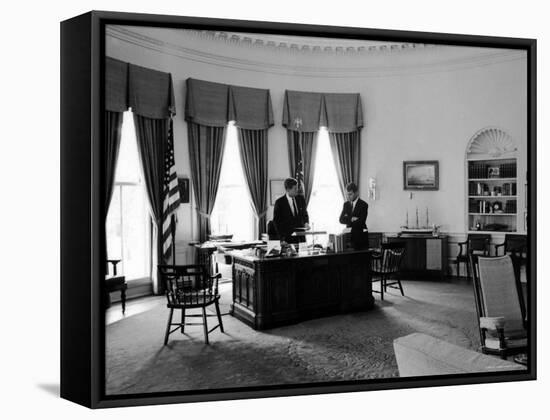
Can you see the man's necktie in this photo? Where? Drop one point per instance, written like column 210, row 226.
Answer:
column 295, row 208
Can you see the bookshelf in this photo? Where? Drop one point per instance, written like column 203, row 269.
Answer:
column 492, row 194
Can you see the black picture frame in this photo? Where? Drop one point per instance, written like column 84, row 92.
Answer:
column 183, row 184
column 82, row 213
column 421, row 175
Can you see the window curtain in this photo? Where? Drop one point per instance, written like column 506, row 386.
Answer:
column 206, row 145
column 209, row 107
column 343, row 117
column 206, row 113
column 302, row 149
column 113, row 131
column 251, row 110
column 346, row 150
column 111, row 143
column 302, row 119
column 342, row 114
column 152, row 135
column 151, row 97
column 253, row 148
column 116, row 102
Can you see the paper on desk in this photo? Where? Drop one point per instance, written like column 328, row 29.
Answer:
column 276, row 245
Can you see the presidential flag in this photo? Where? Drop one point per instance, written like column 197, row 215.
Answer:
column 299, row 175
column 171, row 194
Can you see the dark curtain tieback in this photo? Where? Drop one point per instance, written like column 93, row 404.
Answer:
column 262, row 214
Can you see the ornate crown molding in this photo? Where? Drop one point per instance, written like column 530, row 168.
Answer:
column 331, row 46
column 352, row 58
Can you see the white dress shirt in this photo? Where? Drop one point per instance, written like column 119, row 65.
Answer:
column 291, row 202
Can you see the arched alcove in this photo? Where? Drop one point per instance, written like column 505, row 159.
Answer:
column 491, row 142
column 492, row 183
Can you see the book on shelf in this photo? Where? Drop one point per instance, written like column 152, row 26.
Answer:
column 510, row 206
column 477, row 170
column 508, row 170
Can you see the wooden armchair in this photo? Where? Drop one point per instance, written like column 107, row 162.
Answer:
column 385, row 265
column 190, row 287
column 499, row 305
column 515, row 245
column 476, row 243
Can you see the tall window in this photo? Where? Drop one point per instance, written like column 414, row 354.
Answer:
column 326, row 199
column 128, row 220
column 232, row 213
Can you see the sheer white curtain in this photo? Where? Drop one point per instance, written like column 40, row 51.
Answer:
column 326, row 200
column 233, row 213
column 128, row 220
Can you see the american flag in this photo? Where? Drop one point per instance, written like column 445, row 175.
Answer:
column 171, row 194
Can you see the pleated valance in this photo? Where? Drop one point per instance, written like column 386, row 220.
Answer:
column 343, row 112
column 215, row 104
column 250, row 108
column 116, row 85
column 302, row 111
column 149, row 92
column 307, row 111
column 207, row 103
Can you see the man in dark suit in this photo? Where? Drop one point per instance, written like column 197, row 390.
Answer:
column 290, row 212
column 354, row 215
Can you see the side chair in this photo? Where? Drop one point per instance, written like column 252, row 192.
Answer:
column 385, row 266
column 190, row 287
column 477, row 243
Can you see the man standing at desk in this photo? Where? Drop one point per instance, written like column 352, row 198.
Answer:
column 290, row 212
column 354, row 216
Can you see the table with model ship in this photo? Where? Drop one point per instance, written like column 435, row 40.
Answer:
column 270, row 292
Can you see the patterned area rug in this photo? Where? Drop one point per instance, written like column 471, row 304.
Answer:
column 344, row 347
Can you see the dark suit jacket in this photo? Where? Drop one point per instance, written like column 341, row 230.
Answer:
column 360, row 211
column 285, row 222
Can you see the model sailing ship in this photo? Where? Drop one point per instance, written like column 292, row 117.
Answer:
column 417, row 229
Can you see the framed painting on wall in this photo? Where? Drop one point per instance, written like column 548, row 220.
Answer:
column 421, row 175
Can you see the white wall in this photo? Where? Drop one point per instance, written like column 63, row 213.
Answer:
column 429, row 115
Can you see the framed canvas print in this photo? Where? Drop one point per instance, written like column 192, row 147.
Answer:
column 421, row 175
column 272, row 129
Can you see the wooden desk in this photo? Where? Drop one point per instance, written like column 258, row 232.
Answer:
column 269, row 292
column 425, row 255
